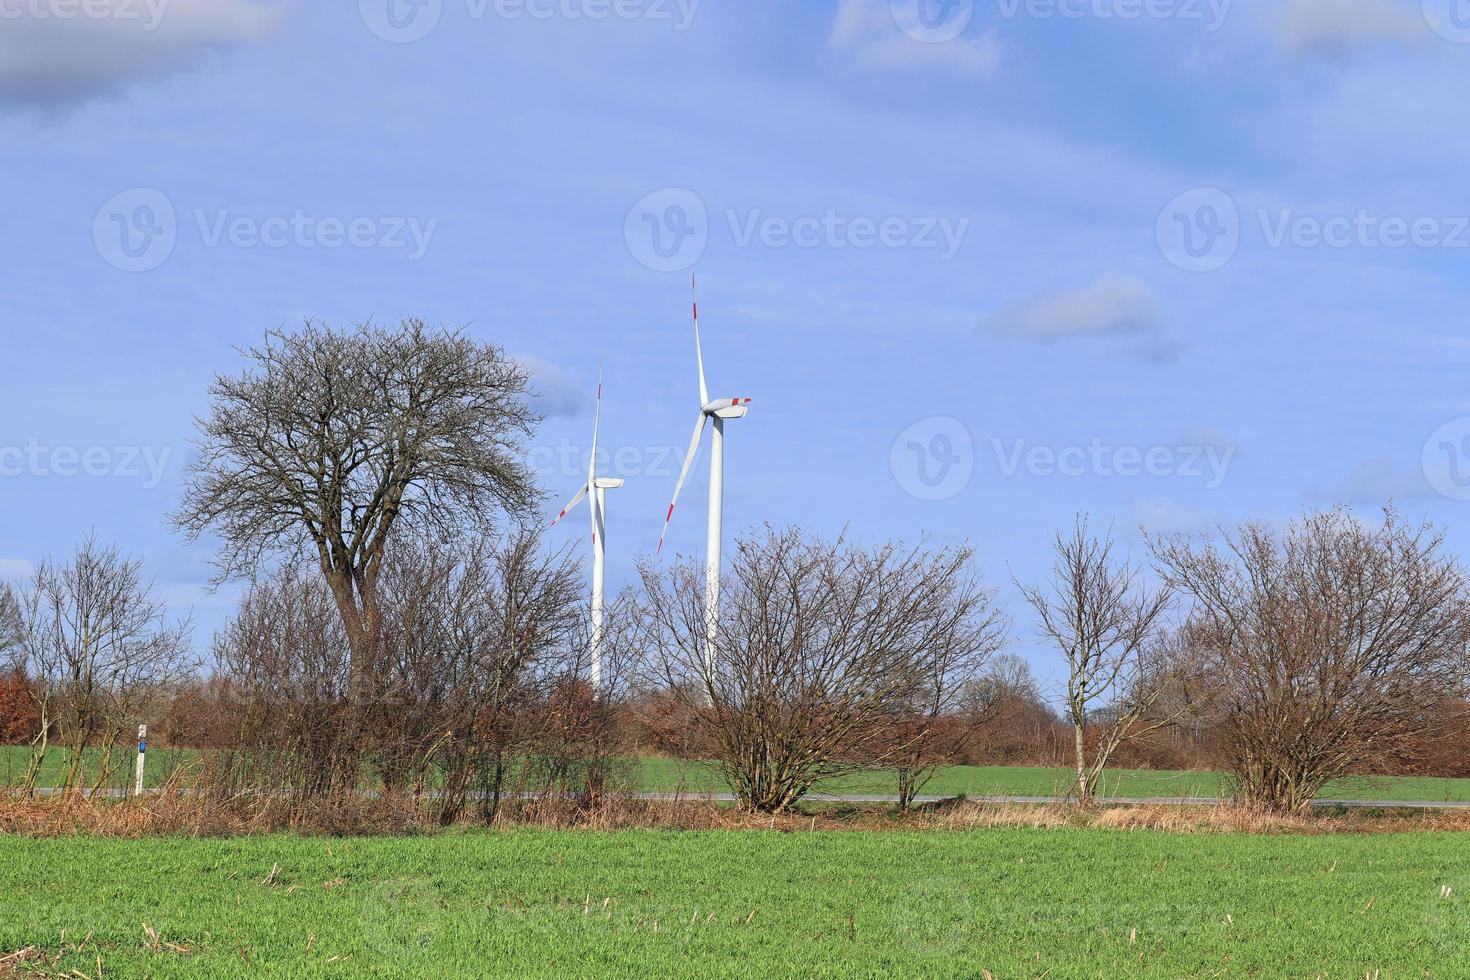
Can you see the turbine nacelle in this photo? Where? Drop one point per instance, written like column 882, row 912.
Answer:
column 607, row 483
column 727, row 408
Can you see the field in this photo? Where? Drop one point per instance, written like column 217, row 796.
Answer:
column 669, row 774
column 660, row 775
column 1019, row 903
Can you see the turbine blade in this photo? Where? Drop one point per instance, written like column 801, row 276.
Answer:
column 594, row 505
column 683, row 474
column 596, row 424
column 570, row 504
column 698, row 350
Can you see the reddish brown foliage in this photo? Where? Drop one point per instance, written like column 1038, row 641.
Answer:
column 18, row 714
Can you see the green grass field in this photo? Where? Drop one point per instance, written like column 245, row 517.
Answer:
column 667, row 775
column 1020, row 903
column 670, row 775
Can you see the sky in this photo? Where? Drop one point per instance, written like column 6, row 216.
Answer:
column 981, row 264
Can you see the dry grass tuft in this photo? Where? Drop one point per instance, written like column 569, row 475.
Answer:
column 198, row 815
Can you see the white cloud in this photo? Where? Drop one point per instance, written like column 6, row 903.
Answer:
column 15, row 569
column 1377, row 481
column 1207, row 438
column 1110, row 306
column 1161, row 515
column 54, row 53
column 1341, row 28
column 556, row 395
column 870, row 30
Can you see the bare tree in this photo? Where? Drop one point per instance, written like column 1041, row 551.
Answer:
column 823, row 650
column 331, row 442
column 96, row 648
column 12, row 624
column 1329, row 646
column 1103, row 617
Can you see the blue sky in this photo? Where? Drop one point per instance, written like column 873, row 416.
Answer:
column 981, row 266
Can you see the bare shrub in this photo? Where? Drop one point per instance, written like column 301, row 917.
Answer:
column 1331, row 647
column 96, row 649
column 479, row 641
column 286, row 657
column 824, row 651
column 482, row 646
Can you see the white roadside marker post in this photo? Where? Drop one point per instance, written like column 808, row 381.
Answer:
column 142, row 751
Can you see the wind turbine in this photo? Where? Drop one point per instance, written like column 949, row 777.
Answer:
column 718, row 410
column 595, row 490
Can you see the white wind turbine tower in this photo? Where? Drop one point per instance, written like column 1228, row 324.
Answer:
column 595, row 490
column 717, row 410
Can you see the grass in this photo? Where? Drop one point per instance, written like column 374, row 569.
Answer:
column 1019, row 903
column 669, row 775
column 162, row 763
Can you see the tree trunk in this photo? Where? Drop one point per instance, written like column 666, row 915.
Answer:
column 1084, row 784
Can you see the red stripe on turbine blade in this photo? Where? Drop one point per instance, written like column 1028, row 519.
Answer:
column 670, row 515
